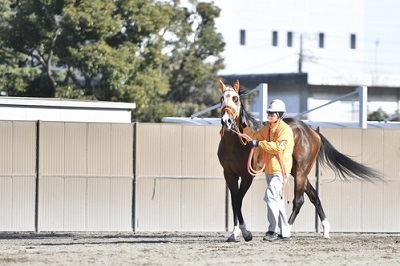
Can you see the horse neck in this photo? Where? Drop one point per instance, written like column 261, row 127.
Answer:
column 231, row 140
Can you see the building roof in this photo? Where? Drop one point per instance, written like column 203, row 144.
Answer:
column 65, row 110
column 253, row 80
column 65, row 103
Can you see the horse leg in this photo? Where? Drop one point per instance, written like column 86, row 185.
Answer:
column 236, row 231
column 302, row 186
column 297, row 204
column 237, row 195
column 232, row 182
column 313, row 196
column 245, row 184
column 298, row 199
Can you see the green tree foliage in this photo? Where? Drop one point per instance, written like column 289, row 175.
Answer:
column 378, row 115
column 158, row 54
column 196, row 61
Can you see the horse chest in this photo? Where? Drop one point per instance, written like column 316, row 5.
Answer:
column 232, row 151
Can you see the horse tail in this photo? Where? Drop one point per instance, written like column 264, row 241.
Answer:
column 344, row 166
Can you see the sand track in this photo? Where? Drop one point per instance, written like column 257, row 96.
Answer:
column 176, row 248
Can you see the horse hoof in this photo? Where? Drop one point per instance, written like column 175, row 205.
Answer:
column 327, row 228
column 249, row 237
column 231, row 238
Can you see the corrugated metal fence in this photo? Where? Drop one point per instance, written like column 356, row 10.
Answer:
column 57, row 176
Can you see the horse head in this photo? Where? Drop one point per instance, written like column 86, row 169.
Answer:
column 231, row 106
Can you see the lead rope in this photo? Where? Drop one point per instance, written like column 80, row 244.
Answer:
column 244, row 142
column 250, row 168
column 285, row 181
column 285, row 178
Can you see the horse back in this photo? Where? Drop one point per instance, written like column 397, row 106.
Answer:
column 307, row 143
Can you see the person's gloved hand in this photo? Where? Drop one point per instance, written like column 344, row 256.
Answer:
column 253, row 143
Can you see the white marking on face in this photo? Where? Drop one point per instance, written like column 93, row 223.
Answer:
column 230, row 98
column 225, row 117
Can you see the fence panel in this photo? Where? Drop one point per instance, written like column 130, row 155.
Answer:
column 85, row 176
column 17, row 175
column 358, row 206
column 179, row 182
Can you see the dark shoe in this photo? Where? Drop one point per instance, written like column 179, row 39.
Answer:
column 270, row 236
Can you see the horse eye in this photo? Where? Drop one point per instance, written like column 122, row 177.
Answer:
column 235, row 99
column 222, row 99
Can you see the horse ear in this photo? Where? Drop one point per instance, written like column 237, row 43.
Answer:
column 237, row 86
column 221, row 86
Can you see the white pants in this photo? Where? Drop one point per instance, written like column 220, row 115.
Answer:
column 277, row 217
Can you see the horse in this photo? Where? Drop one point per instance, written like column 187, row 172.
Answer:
column 238, row 159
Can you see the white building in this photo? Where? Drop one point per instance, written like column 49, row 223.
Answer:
column 338, row 39
column 337, row 43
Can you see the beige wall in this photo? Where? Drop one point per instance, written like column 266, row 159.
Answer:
column 85, row 176
column 178, row 179
column 166, row 177
column 17, row 175
column 364, row 206
column 177, row 156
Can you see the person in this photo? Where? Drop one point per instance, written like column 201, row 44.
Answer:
column 277, row 141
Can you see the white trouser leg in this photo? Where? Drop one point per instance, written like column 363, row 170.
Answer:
column 276, row 205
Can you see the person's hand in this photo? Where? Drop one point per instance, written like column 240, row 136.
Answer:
column 253, row 143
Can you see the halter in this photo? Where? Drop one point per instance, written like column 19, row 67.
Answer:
column 232, row 109
column 230, row 101
column 232, row 112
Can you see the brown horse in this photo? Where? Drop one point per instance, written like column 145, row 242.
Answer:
column 310, row 146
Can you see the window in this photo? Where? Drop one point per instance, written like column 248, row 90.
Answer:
column 290, row 39
column 274, row 38
column 352, row 41
column 242, row 37
column 321, row 38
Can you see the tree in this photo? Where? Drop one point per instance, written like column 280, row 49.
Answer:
column 196, row 61
column 114, row 50
column 378, row 115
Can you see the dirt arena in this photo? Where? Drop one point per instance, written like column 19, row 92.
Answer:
column 176, row 248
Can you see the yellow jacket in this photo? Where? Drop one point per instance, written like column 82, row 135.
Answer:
column 273, row 139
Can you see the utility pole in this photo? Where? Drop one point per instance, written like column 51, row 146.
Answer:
column 300, row 65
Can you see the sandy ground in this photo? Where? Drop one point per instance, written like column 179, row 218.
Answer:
column 176, row 248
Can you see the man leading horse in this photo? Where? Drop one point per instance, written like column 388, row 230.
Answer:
column 277, row 142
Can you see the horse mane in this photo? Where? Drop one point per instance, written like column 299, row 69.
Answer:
column 253, row 123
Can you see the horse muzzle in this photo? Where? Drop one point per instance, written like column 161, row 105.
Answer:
column 227, row 121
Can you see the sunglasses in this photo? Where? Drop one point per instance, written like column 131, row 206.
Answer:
column 271, row 113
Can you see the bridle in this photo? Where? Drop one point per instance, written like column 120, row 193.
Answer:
column 230, row 113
